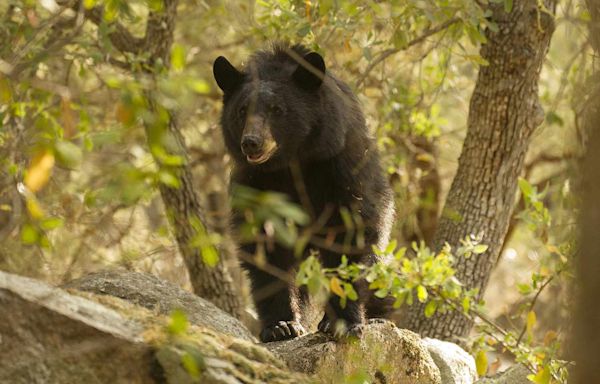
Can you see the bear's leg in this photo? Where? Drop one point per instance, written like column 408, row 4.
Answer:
column 351, row 317
column 377, row 308
column 347, row 320
column 273, row 302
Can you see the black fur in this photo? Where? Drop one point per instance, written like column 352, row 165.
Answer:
column 324, row 159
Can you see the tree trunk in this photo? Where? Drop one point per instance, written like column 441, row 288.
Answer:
column 504, row 111
column 585, row 336
column 184, row 211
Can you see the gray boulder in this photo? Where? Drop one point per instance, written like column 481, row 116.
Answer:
column 455, row 364
column 112, row 327
column 161, row 297
column 384, row 354
column 48, row 335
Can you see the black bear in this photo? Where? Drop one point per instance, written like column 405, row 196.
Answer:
column 292, row 127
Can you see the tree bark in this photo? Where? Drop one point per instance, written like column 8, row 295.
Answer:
column 424, row 160
column 504, row 111
column 585, row 339
column 183, row 208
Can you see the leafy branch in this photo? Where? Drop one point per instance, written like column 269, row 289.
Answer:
column 429, row 278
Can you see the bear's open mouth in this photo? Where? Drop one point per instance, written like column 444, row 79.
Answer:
column 268, row 150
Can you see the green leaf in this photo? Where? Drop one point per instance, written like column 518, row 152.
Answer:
column 541, row 377
column 300, row 244
column 156, row 5
column 430, row 308
column 479, row 249
column 524, row 289
column 314, row 284
column 421, row 293
column 478, row 60
column 178, row 323
column 29, row 235
column 343, row 301
column 391, row 247
column 400, row 253
column 304, row 30
column 350, row 291
column 481, row 363
column 347, row 218
column 476, row 36
column 531, row 321
column 508, row 5
column 68, row 154
column 325, row 6
column 199, row 86
column 367, row 53
column 553, row 118
column 400, row 298
column 51, row 223
column 164, row 158
column 190, row 365
column 399, row 39
column 178, row 57
column 493, row 27
column 5, row 91
column 210, row 255
column 525, row 187
column 168, row 178
column 336, row 287
column 357, row 377
column 466, row 304
column 205, row 243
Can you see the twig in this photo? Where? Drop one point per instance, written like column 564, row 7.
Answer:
column 389, row 52
column 121, row 38
column 548, row 158
column 266, row 267
column 532, row 303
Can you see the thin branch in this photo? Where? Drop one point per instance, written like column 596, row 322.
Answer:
column 546, row 158
column 389, row 52
column 532, row 303
column 93, row 227
column 121, row 38
column 472, row 314
column 53, row 42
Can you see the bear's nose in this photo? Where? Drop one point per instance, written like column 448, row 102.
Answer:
column 251, row 144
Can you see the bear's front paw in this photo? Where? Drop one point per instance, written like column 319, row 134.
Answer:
column 340, row 328
column 282, row 330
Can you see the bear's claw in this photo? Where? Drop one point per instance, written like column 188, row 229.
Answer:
column 343, row 330
column 282, row 330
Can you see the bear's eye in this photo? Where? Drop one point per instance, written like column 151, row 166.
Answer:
column 242, row 111
column 275, row 110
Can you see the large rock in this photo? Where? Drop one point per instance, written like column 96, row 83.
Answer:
column 112, row 327
column 162, row 297
column 384, row 354
column 455, row 364
column 50, row 336
column 517, row 374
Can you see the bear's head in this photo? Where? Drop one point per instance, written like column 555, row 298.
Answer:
column 273, row 108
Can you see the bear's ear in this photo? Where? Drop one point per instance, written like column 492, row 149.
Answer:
column 310, row 72
column 227, row 77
